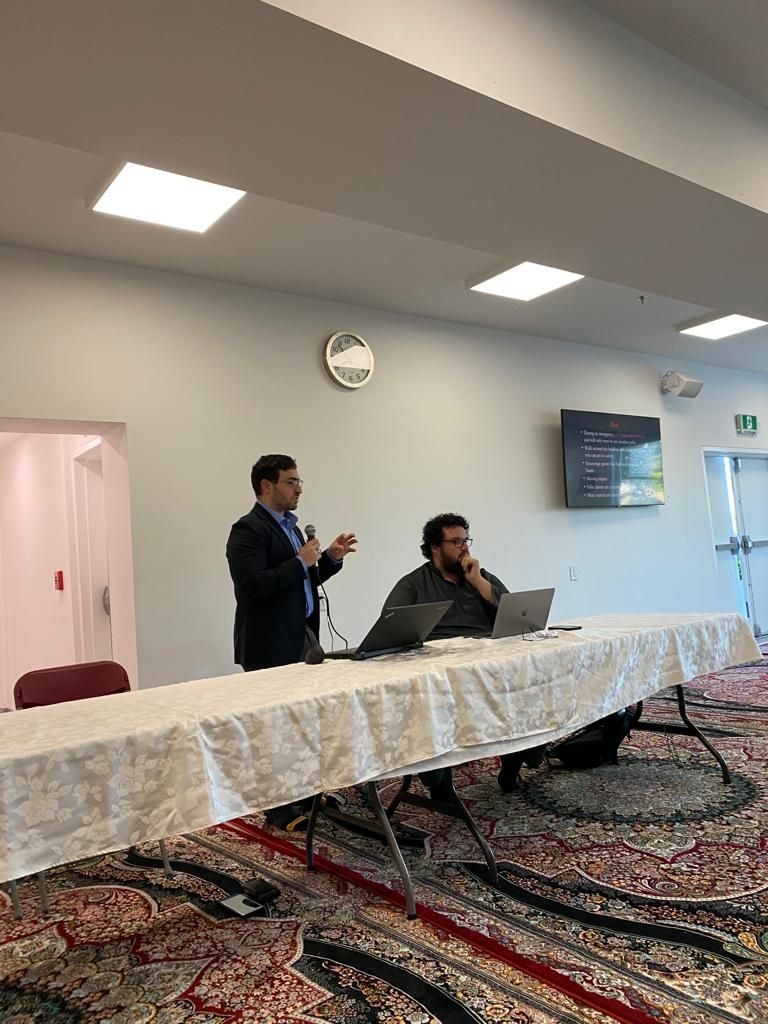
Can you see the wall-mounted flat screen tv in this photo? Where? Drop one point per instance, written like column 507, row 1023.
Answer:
column 611, row 460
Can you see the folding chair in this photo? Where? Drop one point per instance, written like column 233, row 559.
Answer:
column 69, row 682
column 56, row 686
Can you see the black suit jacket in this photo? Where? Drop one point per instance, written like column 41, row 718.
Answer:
column 270, row 615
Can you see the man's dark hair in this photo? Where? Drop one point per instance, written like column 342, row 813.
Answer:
column 268, row 468
column 432, row 534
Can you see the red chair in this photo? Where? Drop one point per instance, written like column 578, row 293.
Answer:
column 69, row 682
column 57, row 686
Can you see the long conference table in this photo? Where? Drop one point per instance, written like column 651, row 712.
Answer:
column 96, row 776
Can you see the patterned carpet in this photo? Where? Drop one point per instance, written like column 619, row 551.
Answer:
column 630, row 893
column 123, row 944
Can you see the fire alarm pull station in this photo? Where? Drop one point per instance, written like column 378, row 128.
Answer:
column 58, row 580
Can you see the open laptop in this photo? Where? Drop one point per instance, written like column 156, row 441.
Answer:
column 397, row 629
column 525, row 612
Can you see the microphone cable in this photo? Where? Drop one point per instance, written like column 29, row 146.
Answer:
column 331, row 626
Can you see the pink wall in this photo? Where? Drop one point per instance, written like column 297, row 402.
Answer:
column 40, row 626
column 38, row 620
column 4, row 694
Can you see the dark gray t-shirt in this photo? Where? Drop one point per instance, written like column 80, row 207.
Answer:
column 469, row 614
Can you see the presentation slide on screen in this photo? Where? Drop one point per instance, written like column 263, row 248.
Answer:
column 611, row 460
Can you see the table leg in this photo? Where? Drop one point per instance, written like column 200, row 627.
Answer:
column 453, row 807
column 311, row 822
column 405, row 785
column 701, row 737
column 406, row 837
column 687, row 729
column 43, row 891
column 394, row 849
column 166, row 862
column 15, row 901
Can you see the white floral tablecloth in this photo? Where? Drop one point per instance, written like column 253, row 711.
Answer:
column 94, row 776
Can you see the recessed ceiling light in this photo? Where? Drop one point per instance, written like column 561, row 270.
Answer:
column 525, row 281
column 159, row 197
column 720, row 326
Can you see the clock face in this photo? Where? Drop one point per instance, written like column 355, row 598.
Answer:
column 349, row 359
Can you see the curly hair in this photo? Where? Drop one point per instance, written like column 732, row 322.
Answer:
column 268, row 468
column 432, row 534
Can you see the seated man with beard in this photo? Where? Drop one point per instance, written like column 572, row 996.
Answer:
column 451, row 574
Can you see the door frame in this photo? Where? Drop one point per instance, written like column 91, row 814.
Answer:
column 88, row 524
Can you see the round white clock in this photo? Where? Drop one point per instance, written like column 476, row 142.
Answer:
column 348, row 359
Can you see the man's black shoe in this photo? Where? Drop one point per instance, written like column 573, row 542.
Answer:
column 291, row 818
column 533, row 757
column 294, row 817
column 507, row 780
column 442, row 791
column 510, row 769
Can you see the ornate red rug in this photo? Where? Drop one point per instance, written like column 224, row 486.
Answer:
column 123, row 944
column 644, row 883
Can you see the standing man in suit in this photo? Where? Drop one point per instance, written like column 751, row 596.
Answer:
column 276, row 573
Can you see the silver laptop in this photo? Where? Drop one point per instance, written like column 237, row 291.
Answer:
column 521, row 613
column 397, row 629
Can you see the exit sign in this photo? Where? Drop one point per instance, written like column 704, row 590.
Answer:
column 746, row 424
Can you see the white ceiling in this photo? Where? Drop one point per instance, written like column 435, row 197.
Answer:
column 725, row 39
column 370, row 181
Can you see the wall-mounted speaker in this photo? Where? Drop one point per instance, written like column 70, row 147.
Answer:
column 674, row 383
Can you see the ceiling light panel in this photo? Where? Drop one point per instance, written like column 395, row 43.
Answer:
column 526, row 281
column 722, row 326
column 159, row 197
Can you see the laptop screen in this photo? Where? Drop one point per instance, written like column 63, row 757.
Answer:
column 524, row 612
column 402, row 626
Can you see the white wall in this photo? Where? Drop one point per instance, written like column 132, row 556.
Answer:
column 208, row 376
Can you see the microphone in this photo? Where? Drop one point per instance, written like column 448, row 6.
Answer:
column 315, row 655
column 311, row 531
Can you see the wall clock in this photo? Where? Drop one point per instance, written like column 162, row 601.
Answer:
column 348, row 359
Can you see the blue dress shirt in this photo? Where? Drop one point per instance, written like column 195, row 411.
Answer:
column 287, row 521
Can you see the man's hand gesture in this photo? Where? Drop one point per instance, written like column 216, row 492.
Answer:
column 345, row 544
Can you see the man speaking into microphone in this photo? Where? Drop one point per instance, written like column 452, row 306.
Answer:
column 276, row 572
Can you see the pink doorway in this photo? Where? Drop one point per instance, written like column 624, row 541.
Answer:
column 66, row 563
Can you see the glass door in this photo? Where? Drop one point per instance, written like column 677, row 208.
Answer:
column 725, row 531
column 752, row 495
column 738, row 504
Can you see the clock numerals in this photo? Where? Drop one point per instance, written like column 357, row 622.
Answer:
column 351, row 376
column 342, row 343
column 349, row 359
